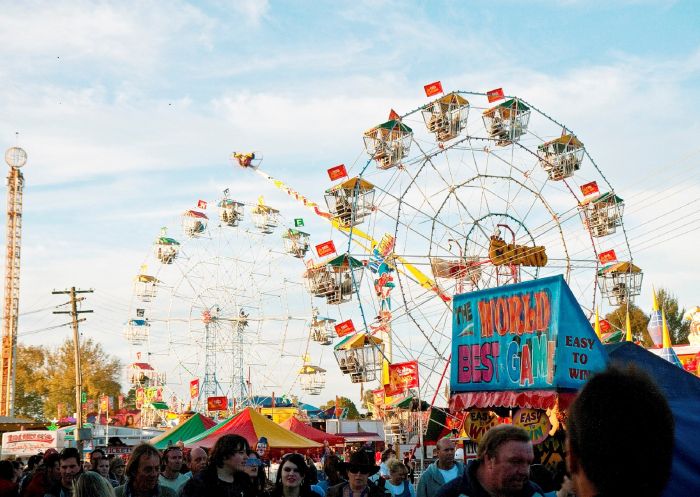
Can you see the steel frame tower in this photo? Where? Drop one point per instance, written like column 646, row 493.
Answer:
column 15, row 158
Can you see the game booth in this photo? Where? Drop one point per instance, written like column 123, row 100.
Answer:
column 521, row 352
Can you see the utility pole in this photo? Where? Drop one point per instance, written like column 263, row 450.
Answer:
column 76, row 346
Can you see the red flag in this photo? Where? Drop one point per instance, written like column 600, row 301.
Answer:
column 201, row 204
column 433, row 89
column 393, row 116
column 495, row 95
column 589, row 189
column 337, row 172
column 344, row 328
column 402, row 376
column 325, row 248
column 217, row 403
column 194, row 389
column 607, row 257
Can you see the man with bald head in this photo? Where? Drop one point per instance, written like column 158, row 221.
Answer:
column 442, row 471
column 198, row 460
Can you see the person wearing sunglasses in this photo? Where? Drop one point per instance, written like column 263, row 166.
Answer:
column 291, row 480
column 359, row 468
column 255, row 469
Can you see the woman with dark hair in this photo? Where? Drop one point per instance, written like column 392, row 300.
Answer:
column 8, row 479
column 117, row 470
column 291, row 478
column 224, row 475
column 331, row 469
column 255, row 469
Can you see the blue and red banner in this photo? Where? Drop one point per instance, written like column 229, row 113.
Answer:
column 527, row 336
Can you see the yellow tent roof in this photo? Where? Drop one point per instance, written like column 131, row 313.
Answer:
column 351, row 183
column 622, row 267
column 357, row 341
column 568, row 139
column 144, row 278
column 453, row 98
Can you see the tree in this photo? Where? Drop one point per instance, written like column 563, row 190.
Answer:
column 100, row 373
column 677, row 327
column 638, row 323
column 344, row 402
column 29, row 390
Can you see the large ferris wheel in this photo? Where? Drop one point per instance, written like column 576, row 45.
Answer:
column 219, row 302
column 458, row 195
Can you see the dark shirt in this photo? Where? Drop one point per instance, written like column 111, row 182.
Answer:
column 208, row 484
column 469, row 485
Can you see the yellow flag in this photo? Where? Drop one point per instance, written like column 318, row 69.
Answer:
column 667, row 336
column 628, row 327
column 597, row 324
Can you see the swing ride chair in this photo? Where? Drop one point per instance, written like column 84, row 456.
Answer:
column 146, row 287
column 166, row 249
column 388, row 143
column 360, row 356
column 312, row 379
column 137, row 331
column 461, row 269
column 507, row 122
column 446, row 117
column 603, row 214
column 561, row 157
column 351, row 201
column 620, row 282
column 296, row 242
column 322, row 329
column 230, row 212
column 247, row 160
column 194, row 223
column 344, row 271
column 265, row 218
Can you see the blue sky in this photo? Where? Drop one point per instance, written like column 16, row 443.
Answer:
column 129, row 111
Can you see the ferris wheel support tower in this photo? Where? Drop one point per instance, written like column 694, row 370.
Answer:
column 15, row 158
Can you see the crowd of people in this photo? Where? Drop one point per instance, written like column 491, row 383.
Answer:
column 598, row 429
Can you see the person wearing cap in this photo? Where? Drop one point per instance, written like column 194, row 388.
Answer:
column 359, row 468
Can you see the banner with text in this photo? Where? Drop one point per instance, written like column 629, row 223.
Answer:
column 511, row 337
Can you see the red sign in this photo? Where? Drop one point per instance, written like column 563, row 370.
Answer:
column 589, row 189
column 217, row 403
column 325, row 248
column 120, row 402
column 393, row 115
column 402, row 376
column 495, row 95
column 344, row 328
column 201, row 204
column 337, row 172
column 433, row 89
column 607, row 257
column 194, row 389
column 605, row 326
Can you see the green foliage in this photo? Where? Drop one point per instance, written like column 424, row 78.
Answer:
column 638, row 323
column 677, row 327
column 343, row 402
column 29, row 390
column 56, row 370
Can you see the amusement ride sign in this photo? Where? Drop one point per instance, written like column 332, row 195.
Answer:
column 527, row 336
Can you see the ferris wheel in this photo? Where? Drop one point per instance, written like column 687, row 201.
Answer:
column 219, row 301
column 463, row 194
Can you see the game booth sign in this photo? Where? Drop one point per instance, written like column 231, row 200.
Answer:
column 521, row 351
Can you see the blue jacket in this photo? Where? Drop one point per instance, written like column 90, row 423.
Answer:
column 469, row 486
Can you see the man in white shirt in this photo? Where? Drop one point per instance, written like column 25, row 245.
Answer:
column 442, row 471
